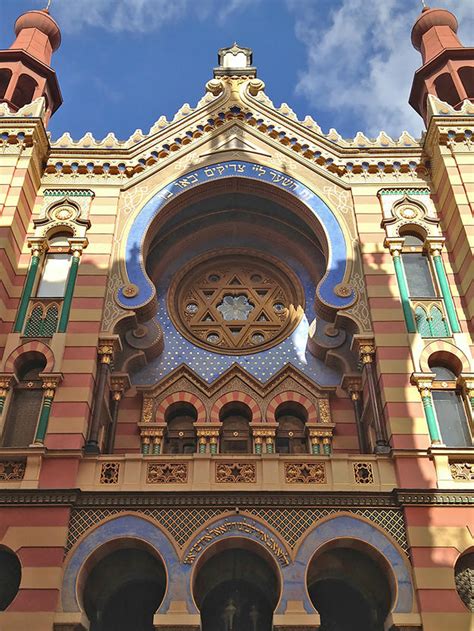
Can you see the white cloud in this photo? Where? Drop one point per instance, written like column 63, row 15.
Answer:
column 361, row 65
column 139, row 16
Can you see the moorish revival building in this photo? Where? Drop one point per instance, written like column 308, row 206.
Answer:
column 236, row 374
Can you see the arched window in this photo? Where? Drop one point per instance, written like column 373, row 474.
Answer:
column 25, row 403
column 56, row 267
column 10, row 577
column 417, row 268
column 446, row 90
column 235, row 418
column 466, row 75
column 5, row 76
column 180, row 436
column 24, row 91
column 450, row 408
column 464, row 577
column 291, row 435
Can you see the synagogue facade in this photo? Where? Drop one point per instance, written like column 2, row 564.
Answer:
column 236, row 370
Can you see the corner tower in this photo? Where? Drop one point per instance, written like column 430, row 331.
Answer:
column 448, row 66
column 25, row 67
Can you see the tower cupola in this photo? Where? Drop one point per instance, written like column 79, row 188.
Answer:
column 448, row 66
column 25, row 67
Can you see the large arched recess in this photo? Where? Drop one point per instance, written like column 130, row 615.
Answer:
column 332, row 293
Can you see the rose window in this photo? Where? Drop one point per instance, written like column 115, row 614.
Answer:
column 235, row 303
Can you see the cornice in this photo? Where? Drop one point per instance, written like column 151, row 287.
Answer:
column 74, row 498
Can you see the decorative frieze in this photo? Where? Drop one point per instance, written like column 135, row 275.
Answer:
column 305, row 473
column 462, row 471
column 167, row 473
column 109, row 472
column 236, row 472
column 363, row 472
column 12, row 470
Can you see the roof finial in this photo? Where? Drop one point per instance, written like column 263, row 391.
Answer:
column 47, row 5
column 423, row 2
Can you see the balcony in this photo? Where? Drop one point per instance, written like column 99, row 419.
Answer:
column 224, row 472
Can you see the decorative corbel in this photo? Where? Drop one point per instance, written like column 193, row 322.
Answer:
column 352, row 384
column 119, row 384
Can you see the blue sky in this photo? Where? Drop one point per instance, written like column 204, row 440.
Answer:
column 124, row 63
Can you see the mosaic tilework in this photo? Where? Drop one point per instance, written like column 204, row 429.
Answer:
column 291, row 524
column 209, row 366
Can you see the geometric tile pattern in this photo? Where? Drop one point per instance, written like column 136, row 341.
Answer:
column 290, row 523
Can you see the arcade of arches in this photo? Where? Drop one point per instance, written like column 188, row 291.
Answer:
column 236, row 586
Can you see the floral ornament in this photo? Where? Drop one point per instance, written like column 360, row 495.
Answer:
column 235, row 307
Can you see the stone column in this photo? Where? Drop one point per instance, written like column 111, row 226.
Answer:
column 76, row 246
column 38, row 247
column 7, row 381
column 119, row 383
column 435, row 246
column 352, row 384
column 395, row 245
column 367, row 356
column 105, row 351
column 263, row 438
column 424, row 383
column 50, row 382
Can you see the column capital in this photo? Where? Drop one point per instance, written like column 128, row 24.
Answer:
column 423, row 381
column 51, row 381
column 7, row 380
column 352, row 384
column 435, row 245
column 107, row 347
column 394, row 244
column 77, row 245
column 466, row 380
column 365, row 345
column 37, row 245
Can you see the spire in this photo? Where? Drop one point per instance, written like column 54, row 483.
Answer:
column 25, row 68
column 448, row 66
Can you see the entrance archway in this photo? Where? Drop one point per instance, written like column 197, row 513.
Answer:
column 236, row 589
column 124, row 589
column 350, row 590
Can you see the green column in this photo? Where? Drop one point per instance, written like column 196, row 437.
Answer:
column 213, row 447
column 270, row 447
column 403, row 288
column 258, row 446
column 326, row 448
column 71, row 282
column 43, row 419
column 446, row 292
column 145, row 448
column 27, row 291
column 430, row 416
column 156, row 447
column 2, row 403
column 315, row 448
column 202, row 447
